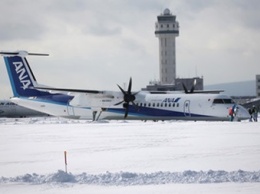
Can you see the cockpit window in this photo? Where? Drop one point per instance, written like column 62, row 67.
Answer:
column 228, row 101
column 223, row 101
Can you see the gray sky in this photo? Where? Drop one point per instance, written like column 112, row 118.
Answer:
column 98, row 44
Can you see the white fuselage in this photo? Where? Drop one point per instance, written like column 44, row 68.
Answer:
column 169, row 106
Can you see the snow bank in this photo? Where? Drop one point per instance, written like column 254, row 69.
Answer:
column 129, row 178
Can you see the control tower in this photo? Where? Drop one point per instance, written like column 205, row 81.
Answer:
column 167, row 29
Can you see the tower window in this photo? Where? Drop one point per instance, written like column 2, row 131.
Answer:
column 161, row 26
column 167, row 25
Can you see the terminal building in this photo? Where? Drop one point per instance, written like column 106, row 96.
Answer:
column 166, row 30
column 257, row 85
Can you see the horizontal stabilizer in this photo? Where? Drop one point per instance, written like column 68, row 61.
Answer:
column 21, row 53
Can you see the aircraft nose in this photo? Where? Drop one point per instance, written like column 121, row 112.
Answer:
column 242, row 113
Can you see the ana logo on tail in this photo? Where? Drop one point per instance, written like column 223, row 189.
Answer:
column 23, row 77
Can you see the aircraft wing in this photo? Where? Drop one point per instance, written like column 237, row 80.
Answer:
column 70, row 90
column 207, row 91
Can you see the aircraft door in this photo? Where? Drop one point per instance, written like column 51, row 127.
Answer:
column 70, row 110
column 186, row 108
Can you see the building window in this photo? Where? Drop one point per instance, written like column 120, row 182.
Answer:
column 161, row 26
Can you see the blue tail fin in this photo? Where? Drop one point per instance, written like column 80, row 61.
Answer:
column 21, row 77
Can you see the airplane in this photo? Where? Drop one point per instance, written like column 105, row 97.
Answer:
column 113, row 105
column 11, row 110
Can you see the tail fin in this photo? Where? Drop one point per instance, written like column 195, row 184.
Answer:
column 20, row 74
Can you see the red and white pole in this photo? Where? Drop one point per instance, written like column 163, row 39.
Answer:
column 65, row 159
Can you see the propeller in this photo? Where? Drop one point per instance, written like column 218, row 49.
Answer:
column 192, row 88
column 129, row 97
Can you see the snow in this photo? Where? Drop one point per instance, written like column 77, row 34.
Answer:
column 128, row 156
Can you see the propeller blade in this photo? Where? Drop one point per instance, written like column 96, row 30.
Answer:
column 121, row 89
column 193, row 86
column 126, row 112
column 185, row 89
column 136, row 93
column 119, row 103
column 192, row 89
column 129, row 86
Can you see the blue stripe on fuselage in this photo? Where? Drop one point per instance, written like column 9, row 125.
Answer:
column 152, row 112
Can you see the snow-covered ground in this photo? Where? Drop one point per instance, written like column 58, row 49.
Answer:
column 128, row 157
